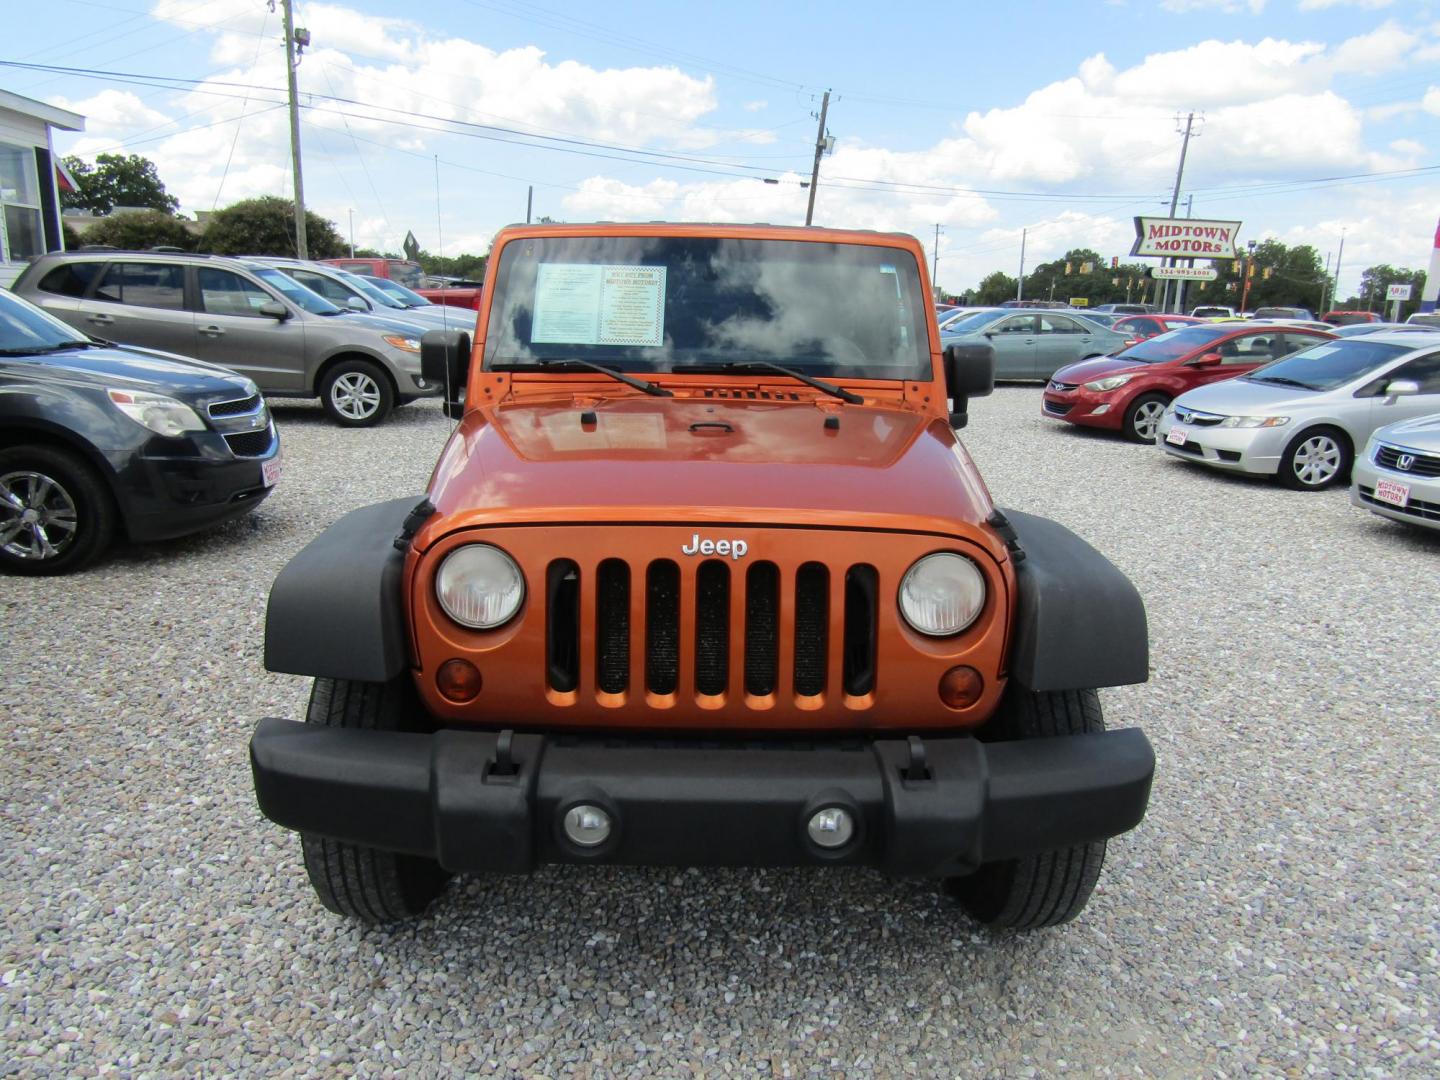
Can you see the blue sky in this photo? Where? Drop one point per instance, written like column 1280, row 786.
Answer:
column 988, row 119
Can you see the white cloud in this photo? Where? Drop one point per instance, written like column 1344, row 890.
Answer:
column 1374, row 53
column 115, row 113
column 1321, row 5
column 1227, row 7
column 1431, row 101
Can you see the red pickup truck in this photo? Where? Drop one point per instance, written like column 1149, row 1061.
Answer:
column 411, row 275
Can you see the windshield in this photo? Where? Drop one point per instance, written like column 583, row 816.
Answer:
column 397, row 291
column 293, row 291
column 975, row 321
column 1327, row 366
column 1173, row 344
column 658, row 303
column 360, row 285
column 24, row 327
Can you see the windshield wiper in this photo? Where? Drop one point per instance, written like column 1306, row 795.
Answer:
column 562, row 365
column 765, row 365
column 37, row 350
column 1281, row 380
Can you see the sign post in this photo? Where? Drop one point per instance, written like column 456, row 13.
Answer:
column 1397, row 295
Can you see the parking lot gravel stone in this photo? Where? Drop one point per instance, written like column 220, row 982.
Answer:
column 1276, row 913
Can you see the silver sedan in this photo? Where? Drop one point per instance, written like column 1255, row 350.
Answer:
column 1300, row 419
column 1398, row 476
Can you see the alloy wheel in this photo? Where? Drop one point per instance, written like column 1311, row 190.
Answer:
column 1317, row 460
column 38, row 517
column 1147, row 419
column 355, row 395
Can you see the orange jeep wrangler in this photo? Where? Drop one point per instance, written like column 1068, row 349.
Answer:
column 704, row 577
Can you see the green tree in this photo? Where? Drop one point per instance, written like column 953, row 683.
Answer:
column 996, row 288
column 138, row 232
column 266, row 226
column 458, row 266
column 1377, row 279
column 116, row 180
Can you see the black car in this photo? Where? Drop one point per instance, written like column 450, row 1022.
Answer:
column 97, row 440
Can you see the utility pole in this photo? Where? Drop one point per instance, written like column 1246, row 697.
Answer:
column 302, row 248
column 351, row 212
column 1164, row 296
column 1180, row 285
column 935, row 265
column 529, row 202
column 1020, row 282
column 1338, row 256
column 819, row 149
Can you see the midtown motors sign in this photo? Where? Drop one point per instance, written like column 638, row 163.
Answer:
column 1185, row 237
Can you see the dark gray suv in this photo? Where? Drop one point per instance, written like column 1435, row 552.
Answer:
column 241, row 315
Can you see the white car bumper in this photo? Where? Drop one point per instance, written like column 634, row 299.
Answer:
column 1398, row 494
column 1247, row 450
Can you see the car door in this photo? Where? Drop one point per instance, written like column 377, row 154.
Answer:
column 1013, row 338
column 1424, row 371
column 233, row 332
column 1062, row 340
column 142, row 304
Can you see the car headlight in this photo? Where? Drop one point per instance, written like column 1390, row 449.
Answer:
column 1254, row 421
column 479, row 586
column 403, row 343
column 1113, row 382
column 162, row 415
column 942, row 594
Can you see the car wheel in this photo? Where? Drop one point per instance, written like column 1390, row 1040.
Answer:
column 56, row 514
column 363, row 882
column 1142, row 418
column 1315, row 459
column 357, row 393
column 1052, row 887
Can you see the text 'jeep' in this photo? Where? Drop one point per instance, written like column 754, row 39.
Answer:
column 704, row 577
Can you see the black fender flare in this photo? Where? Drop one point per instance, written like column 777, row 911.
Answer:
column 1079, row 621
column 336, row 609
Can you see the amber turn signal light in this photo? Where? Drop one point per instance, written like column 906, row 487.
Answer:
column 458, row 680
column 961, row 687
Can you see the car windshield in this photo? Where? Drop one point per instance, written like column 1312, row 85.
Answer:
column 1173, row 344
column 293, row 291
column 397, row 291
column 25, row 328
column 1327, row 366
column 360, row 285
column 659, row 303
column 975, row 321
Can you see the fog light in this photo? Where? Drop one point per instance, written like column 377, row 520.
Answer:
column 832, row 827
column 961, row 687
column 587, row 825
column 458, row 680
column 1099, row 409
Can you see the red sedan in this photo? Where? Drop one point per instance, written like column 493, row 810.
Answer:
column 1139, row 327
column 1128, row 391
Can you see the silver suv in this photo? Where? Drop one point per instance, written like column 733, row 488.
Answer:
column 241, row 315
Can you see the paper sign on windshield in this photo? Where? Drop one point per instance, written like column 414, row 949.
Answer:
column 588, row 304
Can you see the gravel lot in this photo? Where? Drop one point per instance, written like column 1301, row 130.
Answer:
column 1277, row 912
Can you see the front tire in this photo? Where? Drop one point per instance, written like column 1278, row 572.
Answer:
column 1316, row 459
column 1052, row 887
column 56, row 514
column 1142, row 418
column 363, row 882
column 357, row 393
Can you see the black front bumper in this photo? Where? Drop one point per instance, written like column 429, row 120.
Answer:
column 448, row 796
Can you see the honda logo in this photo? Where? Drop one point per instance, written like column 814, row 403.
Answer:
column 1404, row 462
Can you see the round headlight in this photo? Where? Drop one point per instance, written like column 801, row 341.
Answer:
column 479, row 586
column 942, row 594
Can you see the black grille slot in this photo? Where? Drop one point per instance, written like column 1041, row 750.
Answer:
column 812, row 621
column 250, row 443
column 862, row 588
column 712, row 627
column 762, row 620
column 1427, row 465
column 237, row 407
column 612, row 634
column 1057, row 408
column 562, row 625
column 662, row 627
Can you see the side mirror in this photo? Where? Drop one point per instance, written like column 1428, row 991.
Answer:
column 445, row 361
column 1209, row 359
column 1395, row 389
column 274, row 309
column 969, row 372
column 354, row 303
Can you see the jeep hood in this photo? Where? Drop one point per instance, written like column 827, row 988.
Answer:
column 705, row 459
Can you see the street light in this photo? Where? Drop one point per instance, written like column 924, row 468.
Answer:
column 1249, row 271
column 351, row 212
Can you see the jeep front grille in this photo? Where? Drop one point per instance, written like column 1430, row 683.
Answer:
column 700, row 623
